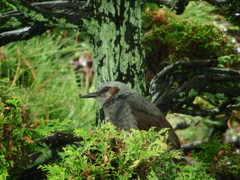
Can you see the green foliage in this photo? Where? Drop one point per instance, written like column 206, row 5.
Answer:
column 219, row 160
column 188, row 40
column 44, row 100
column 5, row 6
column 41, row 68
column 14, row 136
column 225, row 61
column 18, row 128
column 155, row 15
column 44, row 92
column 193, row 172
column 201, row 11
column 111, row 154
column 231, row 11
column 108, row 153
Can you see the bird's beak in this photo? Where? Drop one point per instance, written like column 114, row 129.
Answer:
column 90, row 95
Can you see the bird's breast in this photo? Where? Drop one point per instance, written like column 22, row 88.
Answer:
column 120, row 115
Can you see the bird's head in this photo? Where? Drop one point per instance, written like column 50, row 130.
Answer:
column 109, row 91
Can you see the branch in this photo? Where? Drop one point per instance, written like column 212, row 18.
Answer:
column 21, row 34
column 162, row 85
column 176, row 87
column 57, row 6
column 194, row 146
column 53, row 144
column 36, row 18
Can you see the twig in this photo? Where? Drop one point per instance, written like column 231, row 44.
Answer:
column 18, row 68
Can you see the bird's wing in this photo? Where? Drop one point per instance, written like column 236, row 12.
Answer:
column 148, row 115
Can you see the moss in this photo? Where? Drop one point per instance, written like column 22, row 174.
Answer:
column 188, row 40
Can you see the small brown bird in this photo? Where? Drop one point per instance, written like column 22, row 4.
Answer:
column 127, row 109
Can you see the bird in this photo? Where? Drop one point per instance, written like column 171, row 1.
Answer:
column 126, row 110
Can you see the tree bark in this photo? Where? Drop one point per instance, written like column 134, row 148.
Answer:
column 116, row 36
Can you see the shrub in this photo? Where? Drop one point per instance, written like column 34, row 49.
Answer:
column 184, row 41
column 111, row 154
column 18, row 128
column 219, row 160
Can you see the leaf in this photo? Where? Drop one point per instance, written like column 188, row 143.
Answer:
column 209, row 95
column 135, row 163
column 192, row 93
column 221, row 96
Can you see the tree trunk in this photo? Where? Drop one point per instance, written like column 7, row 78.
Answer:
column 116, row 35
